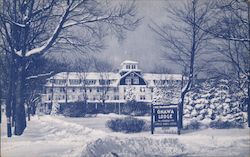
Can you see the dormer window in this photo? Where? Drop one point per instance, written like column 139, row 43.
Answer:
column 127, row 67
column 128, row 81
column 133, row 66
column 136, row 80
column 60, row 81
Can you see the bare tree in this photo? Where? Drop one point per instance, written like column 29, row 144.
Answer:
column 83, row 66
column 30, row 29
column 231, row 28
column 43, row 68
column 183, row 41
column 161, row 69
column 104, row 68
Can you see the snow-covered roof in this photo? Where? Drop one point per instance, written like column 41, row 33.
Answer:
column 151, row 76
column 129, row 62
column 114, row 76
column 87, row 75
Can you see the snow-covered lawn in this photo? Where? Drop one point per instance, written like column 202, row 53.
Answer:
column 48, row 136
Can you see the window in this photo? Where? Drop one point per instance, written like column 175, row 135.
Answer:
column 50, row 90
column 116, row 97
column 52, row 81
column 90, row 82
column 75, row 81
column 158, row 82
column 49, row 106
column 127, row 66
column 60, row 81
column 142, row 97
column 73, row 89
column 115, row 90
column 61, row 89
column 136, row 80
column 104, row 82
column 142, row 89
column 128, row 81
column 49, row 98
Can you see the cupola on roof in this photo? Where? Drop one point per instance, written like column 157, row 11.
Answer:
column 129, row 65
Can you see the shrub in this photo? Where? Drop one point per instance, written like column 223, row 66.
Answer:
column 73, row 109
column 127, row 125
column 135, row 108
column 194, row 125
column 225, row 124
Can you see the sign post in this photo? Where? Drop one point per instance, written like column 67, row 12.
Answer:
column 164, row 116
column 152, row 119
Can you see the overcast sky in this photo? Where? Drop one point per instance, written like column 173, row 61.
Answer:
column 140, row 45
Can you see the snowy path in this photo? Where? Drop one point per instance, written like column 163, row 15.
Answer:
column 48, row 136
column 73, row 137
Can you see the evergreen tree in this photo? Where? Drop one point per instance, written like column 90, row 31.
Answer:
column 130, row 94
column 158, row 96
column 214, row 101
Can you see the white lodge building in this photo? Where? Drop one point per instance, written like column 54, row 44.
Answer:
column 98, row 87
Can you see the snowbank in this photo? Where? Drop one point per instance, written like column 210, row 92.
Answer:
column 193, row 144
column 49, row 136
column 139, row 147
column 56, row 136
column 111, row 115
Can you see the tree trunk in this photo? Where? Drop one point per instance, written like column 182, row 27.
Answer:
column 181, row 111
column 104, row 107
column 84, row 106
column 20, row 94
column 248, row 73
column 181, row 104
column 28, row 111
column 0, row 103
column 66, row 89
column 85, row 100
column 0, row 109
column 13, row 104
column 9, row 101
column 191, row 66
column 248, row 99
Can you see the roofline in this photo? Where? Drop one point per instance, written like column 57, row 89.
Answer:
column 129, row 73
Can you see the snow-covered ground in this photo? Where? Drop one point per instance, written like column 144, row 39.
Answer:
column 48, row 136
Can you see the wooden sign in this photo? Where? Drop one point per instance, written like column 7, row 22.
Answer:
column 164, row 116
